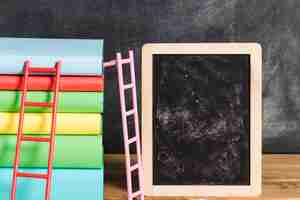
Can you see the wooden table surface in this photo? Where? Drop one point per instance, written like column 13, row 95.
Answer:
column 281, row 179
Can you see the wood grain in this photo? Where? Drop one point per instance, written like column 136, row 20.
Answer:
column 281, row 179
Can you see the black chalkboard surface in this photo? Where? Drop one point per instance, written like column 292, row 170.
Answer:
column 201, row 119
column 201, row 124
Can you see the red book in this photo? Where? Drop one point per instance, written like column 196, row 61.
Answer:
column 44, row 83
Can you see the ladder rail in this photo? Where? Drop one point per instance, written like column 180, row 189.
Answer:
column 136, row 119
column 20, row 131
column 124, row 121
column 53, row 131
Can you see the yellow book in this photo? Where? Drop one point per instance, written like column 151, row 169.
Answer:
column 40, row 123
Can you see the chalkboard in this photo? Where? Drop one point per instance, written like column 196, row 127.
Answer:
column 201, row 125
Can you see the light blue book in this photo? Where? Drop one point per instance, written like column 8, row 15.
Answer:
column 78, row 56
column 66, row 184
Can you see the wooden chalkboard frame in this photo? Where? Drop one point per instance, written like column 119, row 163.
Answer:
column 255, row 52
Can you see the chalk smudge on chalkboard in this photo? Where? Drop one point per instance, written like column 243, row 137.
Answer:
column 201, row 119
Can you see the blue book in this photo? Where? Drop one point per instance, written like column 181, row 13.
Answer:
column 78, row 56
column 66, row 184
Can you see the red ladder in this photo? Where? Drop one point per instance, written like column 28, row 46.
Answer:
column 22, row 138
column 135, row 140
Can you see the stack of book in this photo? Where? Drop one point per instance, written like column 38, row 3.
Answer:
column 78, row 158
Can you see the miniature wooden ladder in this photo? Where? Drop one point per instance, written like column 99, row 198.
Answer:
column 22, row 138
column 135, row 140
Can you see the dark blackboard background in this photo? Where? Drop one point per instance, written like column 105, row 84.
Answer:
column 201, row 120
column 129, row 24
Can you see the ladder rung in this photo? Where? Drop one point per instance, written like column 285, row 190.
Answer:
column 136, row 194
column 41, row 70
column 132, row 140
column 125, row 61
column 35, row 139
column 130, row 112
column 32, row 175
column 128, row 86
column 134, row 167
column 38, row 104
column 109, row 63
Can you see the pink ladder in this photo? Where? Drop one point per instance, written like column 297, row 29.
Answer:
column 135, row 140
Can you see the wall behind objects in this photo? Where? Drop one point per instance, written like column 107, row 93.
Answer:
column 129, row 24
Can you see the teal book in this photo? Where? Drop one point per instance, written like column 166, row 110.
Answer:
column 78, row 56
column 67, row 184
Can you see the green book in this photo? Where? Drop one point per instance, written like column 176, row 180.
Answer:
column 69, row 102
column 80, row 152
